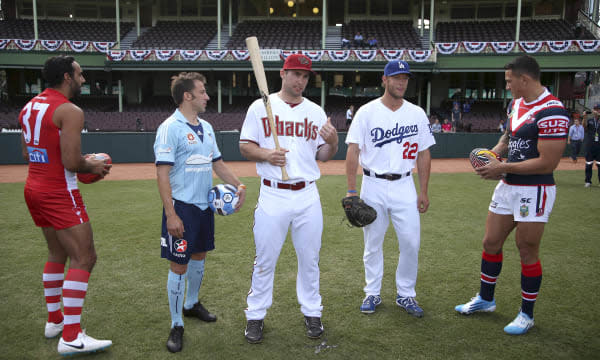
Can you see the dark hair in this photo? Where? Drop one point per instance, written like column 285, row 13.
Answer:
column 182, row 83
column 55, row 68
column 524, row 65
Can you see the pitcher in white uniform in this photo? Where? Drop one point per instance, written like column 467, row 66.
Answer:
column 305, row 135
column 389, row 135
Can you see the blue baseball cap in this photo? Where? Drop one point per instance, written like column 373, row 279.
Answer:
column 396, row 67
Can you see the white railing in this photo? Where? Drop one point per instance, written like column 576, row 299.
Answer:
column 585, row 20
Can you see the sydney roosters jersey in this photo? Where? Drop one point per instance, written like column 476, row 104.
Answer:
column 42, row 138
column 543, row 119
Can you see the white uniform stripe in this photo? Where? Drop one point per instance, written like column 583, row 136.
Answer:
column 53, row 277
column 488, row 282
column 52, row 292
column 528, row 293
column 75, row 285
column 488, row 276
column 72, row 319
column 72, row 302
column 53, row 306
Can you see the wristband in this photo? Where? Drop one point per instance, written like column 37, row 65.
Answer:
column 352, row 191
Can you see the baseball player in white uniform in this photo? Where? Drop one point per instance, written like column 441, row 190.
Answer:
column 305, row 134
column 389, row 135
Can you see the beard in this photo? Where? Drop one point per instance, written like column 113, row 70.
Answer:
column 75, row 90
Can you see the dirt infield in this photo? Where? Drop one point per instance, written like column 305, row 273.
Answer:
column 145, row 171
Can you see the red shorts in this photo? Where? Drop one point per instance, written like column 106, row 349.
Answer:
column 59, row 209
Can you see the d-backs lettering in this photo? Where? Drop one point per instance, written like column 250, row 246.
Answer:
column 291, row 128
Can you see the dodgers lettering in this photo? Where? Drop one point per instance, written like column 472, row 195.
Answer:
column 398, row 133
column 291, row 128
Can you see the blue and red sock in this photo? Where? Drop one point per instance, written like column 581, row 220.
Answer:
column 531, row 281
column 490, row 269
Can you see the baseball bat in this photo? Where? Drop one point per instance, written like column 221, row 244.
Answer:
column 263, row 89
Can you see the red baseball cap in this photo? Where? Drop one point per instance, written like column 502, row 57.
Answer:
column 298, row 62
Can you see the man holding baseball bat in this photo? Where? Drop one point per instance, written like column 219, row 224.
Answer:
column 305, row 135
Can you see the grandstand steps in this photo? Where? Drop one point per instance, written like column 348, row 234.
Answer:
column 333, row 40
column 131, row 37
column 425, row 40
column 212, row 45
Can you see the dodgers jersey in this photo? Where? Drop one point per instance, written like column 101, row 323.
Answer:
column 545, row 118
column 191, row 155
column 297, row 130
column 42, row 137
column 389, row 141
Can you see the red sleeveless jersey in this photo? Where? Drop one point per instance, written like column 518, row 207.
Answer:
column 42, row 138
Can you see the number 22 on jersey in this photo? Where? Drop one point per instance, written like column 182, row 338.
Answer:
column 410, row 150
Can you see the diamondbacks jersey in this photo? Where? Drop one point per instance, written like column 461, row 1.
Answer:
column 389, row 141
column 42, row 137
column 190, row 154
column 297, row 130
column 543, row 119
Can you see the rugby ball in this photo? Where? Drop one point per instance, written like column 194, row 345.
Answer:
column 88, row 178
column 478, row 158
column 222, row 199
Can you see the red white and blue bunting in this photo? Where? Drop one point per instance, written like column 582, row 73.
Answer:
column 51, row 45
column 588, row 45
column 78, row 46
column 390, row 55
column 338, row 55
column 365, row 55
column 240, row 54
column 559, row 46
column 190, row 55
column 216, row 54
column 285, row 53
column 3, row 43
column 103, row 46
column 139, row 55
column 503, row 47
column 474, row 47
column 419, row 55
column 116, row 55
column 446, row 48
column 25, row 45
column 313, row 55
column 164, row 55
column 531, row 46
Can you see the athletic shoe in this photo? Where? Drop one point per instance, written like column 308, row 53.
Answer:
column 520, row 325
column 82, row 344
column 588, row 184
column 200, row 312
column 53, row 330
column 410, row 305
column 175, row 341
column 254, row 331
column 370, row 303
column 314, row 327
column 475, row 305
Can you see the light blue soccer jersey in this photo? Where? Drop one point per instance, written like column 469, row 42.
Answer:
column 191, row 154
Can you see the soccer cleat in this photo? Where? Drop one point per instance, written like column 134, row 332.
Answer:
column 175, row 341
column 254, row 331
column 53, row 330
column 520, row 325
column 410, row 305
column 370, row 303
column 588, row 184
column 475, row 305
column 314, row 327
column 82, row 344
column 200, row 312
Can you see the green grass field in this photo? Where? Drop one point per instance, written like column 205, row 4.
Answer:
column 127, row 301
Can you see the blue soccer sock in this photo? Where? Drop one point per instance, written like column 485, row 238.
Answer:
column 531, row 281
column 491, row 264
column 195, row 274
column 175, row 291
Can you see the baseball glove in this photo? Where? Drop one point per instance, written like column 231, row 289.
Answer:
column 358, row 212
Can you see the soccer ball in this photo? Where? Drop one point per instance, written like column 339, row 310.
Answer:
column 89, row 178
column 478, row 158
column 222, row 199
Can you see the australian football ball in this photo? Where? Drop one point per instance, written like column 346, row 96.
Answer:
column 88, row 178
column 222, row 199
column 478, row 158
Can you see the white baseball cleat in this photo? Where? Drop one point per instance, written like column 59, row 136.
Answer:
column 82, row 344
column 520, row 325
column 53, row 330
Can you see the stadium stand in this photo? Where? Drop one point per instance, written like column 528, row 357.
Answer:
column 177, row 35
column 62, row 29
column 389, row 34
column 278, row 34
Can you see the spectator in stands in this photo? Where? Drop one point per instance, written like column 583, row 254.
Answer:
column 575, row 138
column 345, row 43
column 372, row 42
column 358, row 40
column 138, row 125
column 446, row 126
column 436, row 127
column 456, row 116
column 502, row 126
column 466, row 106
column 349, row 116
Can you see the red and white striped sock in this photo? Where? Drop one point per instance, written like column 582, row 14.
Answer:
column 53, row 276
column 74, row 290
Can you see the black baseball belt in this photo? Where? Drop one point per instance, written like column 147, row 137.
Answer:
column 390, row 177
